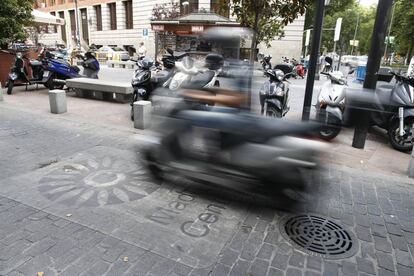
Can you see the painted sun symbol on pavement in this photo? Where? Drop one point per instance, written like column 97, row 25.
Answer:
column 96, row 183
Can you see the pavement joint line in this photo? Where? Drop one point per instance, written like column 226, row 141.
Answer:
column 90, row 228
column 403, row 180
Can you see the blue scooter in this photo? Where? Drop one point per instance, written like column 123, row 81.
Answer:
column 60, row 70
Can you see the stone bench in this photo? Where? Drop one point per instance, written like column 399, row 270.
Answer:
column 120, row 64
column 101, row 89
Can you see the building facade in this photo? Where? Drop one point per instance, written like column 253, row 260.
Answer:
column 126, row 23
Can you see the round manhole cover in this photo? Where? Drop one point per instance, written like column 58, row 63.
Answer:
column 319, row 236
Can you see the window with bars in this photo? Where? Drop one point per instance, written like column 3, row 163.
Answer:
column 54, row 26
column 112, row 15
column 188, row 6
column 128, row 14
column 217, row 7
column 98, row 12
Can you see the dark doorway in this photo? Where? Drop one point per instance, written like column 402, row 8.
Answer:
column 63, row 27
column 84, row 19
column 72, row 24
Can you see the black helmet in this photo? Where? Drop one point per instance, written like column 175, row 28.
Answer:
column 145, row 63
column 168, row 62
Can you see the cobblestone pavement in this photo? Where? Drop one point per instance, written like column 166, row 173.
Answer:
column 71, row 203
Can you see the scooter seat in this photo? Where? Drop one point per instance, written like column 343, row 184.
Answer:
column 162, row 76
column 35, row 63
column 76, row 68
column 202, row 79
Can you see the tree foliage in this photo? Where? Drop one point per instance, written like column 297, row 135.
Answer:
column 348, row 10
column 403, row 27
column 267, row 17
column 14, row 16
column 165, row 11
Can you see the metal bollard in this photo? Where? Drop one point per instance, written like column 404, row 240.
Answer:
column 57, row 100
column 1, row 93
column 411, row 163
column 142, row 114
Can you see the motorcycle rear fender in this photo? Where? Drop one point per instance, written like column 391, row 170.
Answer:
column 335, row 111
column 408, row 112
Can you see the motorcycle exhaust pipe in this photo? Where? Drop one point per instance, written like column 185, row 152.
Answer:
column 401, row 117
column 59, row 81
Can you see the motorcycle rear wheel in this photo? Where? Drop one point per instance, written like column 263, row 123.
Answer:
column 401, row 143
column 10, row 87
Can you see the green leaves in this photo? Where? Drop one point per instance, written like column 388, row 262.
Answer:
column 14, row 16
column 267, row 17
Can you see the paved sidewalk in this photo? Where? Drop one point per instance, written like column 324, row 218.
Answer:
column 74, row 200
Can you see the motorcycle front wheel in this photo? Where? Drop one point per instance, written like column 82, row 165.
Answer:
column 331, row 126
column 10, row 87
column 273, row 112
column 401, row 143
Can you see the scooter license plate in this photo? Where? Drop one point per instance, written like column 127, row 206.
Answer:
column 46, row 74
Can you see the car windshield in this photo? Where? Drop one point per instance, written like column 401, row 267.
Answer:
column 117, row 49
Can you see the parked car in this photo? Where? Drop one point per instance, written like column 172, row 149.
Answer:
column 358, row 61
column 112, row 53
column 346, row 59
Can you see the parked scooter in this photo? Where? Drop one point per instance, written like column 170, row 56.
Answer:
column 274, row 94
column 19, row 72
column 330, row 105
column 49, row 71
column 188, row 75
column 393, row 110
column 299, row 70
column 266, row 64
column 240, row 151
column 147, row 77
column 62, row 70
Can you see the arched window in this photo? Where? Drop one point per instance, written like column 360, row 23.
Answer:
column 188, row 6
column 217, row 7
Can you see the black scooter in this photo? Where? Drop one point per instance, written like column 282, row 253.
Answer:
column 266, row 64
column 274, row 94
column 148, row 76
column 19, row 72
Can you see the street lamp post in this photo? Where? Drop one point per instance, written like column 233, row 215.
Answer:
column 314, row 57
column 356, row 30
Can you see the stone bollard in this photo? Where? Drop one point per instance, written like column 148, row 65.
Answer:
column 142, row 114
column 1, row 93
column 57, row 100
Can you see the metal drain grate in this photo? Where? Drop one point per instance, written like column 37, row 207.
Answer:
column 319, row 236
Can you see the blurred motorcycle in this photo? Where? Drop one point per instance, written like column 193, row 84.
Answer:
column 226, row 147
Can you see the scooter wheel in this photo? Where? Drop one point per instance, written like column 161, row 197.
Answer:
column 331, row 129
column 401, row 143
column 132, row 113
column 10, row 87
column 152, row 165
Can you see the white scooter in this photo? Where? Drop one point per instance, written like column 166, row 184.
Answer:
column 191, row 76
column 330, row 105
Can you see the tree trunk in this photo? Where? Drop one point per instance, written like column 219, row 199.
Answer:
column 254, row 38
column 410, row 51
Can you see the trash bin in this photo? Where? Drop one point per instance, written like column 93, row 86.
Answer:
column 360, row 72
